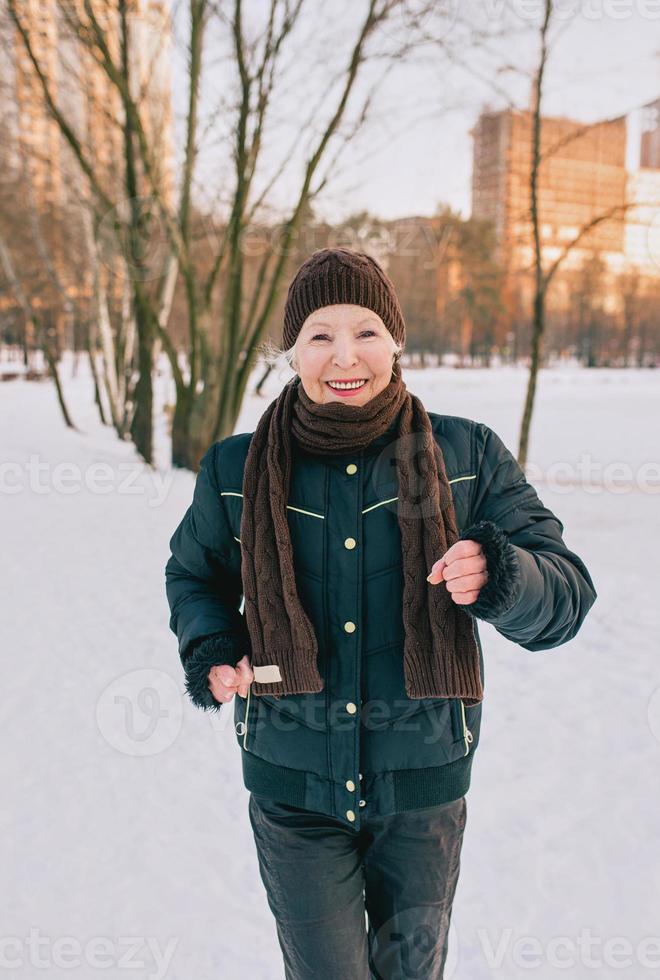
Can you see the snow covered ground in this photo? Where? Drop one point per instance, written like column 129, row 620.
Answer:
column 125, row 842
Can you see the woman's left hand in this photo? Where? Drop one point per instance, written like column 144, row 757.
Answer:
column 463, row 568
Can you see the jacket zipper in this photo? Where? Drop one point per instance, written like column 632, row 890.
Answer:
column 467, row 734
column 244, row 730
column 247, row 715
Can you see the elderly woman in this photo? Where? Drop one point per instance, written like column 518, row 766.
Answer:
column 366, row 537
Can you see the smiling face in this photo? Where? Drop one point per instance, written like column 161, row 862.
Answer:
column 344, row 343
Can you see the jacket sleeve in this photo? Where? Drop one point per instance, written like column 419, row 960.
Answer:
column 538, row 591
column 204, row 588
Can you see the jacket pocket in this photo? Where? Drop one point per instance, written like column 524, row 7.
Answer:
column 306, row 709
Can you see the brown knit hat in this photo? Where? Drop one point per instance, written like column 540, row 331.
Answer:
column 340, row 275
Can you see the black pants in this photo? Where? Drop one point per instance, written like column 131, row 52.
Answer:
column 322, row 877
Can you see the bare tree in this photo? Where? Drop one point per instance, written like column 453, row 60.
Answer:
column 543, row 277
column 204, row 414
column 229, row 300
column 37, row 289
column 36, row 324
column 540, row 283
column 226, row 318
column 118, row 193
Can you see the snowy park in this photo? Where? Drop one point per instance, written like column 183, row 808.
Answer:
column 126, row 843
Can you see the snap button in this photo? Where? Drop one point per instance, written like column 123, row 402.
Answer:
column 351, row 468
column 363, row 802
column 350, row 627
column 350, row 815
column 350, row 543
column 350, row 785
column 351, row 708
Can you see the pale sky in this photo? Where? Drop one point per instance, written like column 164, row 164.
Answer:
column 416, row 151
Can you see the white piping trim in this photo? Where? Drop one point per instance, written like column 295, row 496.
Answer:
column 237, row 539
column 379, row 504
column 308, row 512
column 299, row 510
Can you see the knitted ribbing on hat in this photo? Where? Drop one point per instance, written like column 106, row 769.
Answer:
column 441, row 656
column 339, row 275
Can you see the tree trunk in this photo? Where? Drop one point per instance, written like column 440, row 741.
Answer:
column 55, row 375
column 142, row 421
column 537, row 337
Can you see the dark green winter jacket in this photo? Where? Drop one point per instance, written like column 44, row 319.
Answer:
column 361, row 742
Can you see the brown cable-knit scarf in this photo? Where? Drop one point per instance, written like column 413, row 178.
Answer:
column 441, row 656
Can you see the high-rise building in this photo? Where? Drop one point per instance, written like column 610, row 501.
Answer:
column 33, row 146
column 581, row 180
column 88, row 99
column 649, row 149
column 642, row 241
column 32, row 135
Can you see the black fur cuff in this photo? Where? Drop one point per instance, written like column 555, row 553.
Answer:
column 501, row 590
column 219, row 648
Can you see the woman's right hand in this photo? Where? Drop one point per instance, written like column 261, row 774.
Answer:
column 225, row 680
